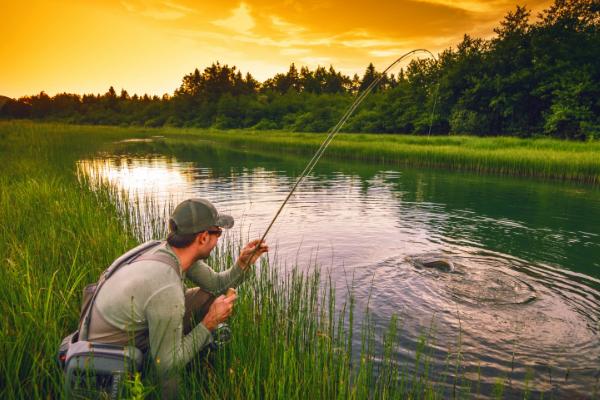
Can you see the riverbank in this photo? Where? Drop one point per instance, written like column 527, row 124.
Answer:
column 536, row 158
column 55, row 237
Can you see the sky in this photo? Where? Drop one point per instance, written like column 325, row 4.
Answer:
column 147, row 46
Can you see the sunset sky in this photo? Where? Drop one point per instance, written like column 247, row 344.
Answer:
column 147, row 46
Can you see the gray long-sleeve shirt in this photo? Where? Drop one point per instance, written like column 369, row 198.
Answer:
column 148, row 296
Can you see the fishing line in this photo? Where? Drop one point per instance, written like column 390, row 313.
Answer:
column 317, row 156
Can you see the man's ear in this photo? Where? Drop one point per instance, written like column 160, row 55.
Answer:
column 201, row 238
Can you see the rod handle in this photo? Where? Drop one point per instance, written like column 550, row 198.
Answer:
column 230, row 292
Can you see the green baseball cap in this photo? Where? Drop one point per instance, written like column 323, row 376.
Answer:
column 196, row 215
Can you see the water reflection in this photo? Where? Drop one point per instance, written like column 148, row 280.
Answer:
column 158, row 177
column 524, row 291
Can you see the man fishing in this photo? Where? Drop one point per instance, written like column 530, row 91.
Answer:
column 146, row 302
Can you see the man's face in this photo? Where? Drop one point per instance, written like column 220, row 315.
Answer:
column 207, row 241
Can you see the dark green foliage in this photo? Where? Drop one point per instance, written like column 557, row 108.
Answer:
column 533, row 78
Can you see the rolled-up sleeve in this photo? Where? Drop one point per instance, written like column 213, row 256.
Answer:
column 216, row 283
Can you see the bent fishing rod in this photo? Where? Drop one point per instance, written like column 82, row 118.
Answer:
column 349, row 111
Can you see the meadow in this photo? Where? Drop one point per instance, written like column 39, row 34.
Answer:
column 292, row 336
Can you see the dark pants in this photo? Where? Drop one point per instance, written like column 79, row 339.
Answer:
column 197, row 303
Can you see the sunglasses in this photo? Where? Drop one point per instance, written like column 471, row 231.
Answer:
column 215, row 232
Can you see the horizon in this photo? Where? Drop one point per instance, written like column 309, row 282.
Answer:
column 147, row 46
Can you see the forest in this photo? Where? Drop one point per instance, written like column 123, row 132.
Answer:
column 537, row 76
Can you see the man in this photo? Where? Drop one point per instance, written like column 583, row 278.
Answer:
column 147, row 302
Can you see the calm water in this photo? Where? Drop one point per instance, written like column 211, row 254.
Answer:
column 525, row 288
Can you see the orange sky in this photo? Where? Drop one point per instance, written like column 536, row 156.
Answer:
column 146, row 46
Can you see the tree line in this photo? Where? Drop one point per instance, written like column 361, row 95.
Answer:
column 534, row 77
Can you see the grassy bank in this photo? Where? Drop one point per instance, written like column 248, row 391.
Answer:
column 539, row 158
column 56, row 236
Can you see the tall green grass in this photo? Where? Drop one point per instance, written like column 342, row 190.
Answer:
column 55, row 237
column 537, row 157
column 540, row 158
column 292, row 336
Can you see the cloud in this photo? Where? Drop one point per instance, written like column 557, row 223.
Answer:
column 284, row 43
column 471, row 6
column 179, row 7
column 128, row 6
column 160, row 10
column 387, row 53
column 286, row 27
column 294, row 52
column 366, row 43
column 255, row 31
column 163, row 14
column 317, row 60
column 488, row 6
column 216, row 52
column 240, row 20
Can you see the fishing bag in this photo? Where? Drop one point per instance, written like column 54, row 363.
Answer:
column 92, row 369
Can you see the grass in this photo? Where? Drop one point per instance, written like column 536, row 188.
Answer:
column 539, row 158
column 59, row 235
column 292, row 337
column 54, row 238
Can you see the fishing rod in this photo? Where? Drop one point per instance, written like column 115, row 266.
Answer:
column 349, row 111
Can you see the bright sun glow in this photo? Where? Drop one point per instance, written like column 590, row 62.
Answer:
column 147, row 46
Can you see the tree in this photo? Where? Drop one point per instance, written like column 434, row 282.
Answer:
column 250, row 84
column 190, row 85
column 355, row 84
column 335, row 82
column 369, row 77
column 110, row 99
column 308, row 81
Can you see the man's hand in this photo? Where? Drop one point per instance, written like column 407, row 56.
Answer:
column 250, row 253
column 219, row 311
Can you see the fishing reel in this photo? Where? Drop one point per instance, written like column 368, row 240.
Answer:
column 222, row 334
